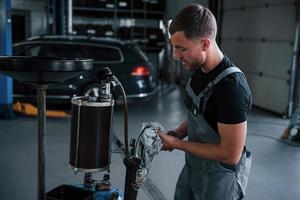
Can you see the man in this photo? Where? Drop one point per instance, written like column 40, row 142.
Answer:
column 218, row 100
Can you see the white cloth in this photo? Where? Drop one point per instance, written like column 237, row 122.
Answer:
column 147, row 146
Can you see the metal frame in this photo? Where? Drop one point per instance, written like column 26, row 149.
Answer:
column 295, row 65
column 6, row 92
column 216, row 7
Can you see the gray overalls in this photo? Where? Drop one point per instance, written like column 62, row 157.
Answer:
column 202, row 179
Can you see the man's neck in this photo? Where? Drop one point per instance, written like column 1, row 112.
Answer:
column 212, row 60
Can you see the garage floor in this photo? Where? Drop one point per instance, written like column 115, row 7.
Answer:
column 275, row 172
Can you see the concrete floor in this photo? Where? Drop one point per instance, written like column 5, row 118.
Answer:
column 274, row 174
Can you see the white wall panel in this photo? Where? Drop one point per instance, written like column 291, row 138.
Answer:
column 273, row 23
column 268, row 93
column 232, row 4
column 270, row 59
column 259, row 39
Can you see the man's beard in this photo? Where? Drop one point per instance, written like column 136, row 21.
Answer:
column 192, row 66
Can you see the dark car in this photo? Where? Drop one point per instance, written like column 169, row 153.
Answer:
column 126, row 61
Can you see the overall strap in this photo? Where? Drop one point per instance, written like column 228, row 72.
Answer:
column 210, row 85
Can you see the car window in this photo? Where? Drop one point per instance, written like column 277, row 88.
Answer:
column 135, row 54
column 104, row 54
column 140, row 52
column 27, row 50
column 64, row 50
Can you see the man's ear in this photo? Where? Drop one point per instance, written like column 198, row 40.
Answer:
column 205, row 44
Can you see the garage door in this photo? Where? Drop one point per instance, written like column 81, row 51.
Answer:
column 259, row 37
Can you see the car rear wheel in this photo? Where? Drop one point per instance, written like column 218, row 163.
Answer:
column 92, row 90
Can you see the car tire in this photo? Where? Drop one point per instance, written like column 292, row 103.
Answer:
column 92, row 90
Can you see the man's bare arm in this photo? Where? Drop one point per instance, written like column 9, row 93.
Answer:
column 229, row 150
column 181, row 131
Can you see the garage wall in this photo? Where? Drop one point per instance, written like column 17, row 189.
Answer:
column 258, row 36
column 37, row 14
column 173, row 6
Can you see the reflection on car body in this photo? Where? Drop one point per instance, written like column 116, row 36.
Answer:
column 126, row 61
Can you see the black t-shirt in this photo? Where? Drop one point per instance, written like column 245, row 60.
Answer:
column 231, row 99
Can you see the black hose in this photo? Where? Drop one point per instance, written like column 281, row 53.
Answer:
column 125, row 107
column 132, row 166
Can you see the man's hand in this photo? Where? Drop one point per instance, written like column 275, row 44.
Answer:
column 168, row 141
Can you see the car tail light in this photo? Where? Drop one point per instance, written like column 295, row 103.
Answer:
column 140, row 71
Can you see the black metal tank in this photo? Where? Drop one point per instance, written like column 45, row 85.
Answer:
column 90, row 144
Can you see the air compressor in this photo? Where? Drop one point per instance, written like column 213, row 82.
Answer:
column 90, row 146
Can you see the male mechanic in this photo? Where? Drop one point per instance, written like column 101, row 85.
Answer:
column 218, row 100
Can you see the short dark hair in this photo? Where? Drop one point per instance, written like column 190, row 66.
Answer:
column 195, row 21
